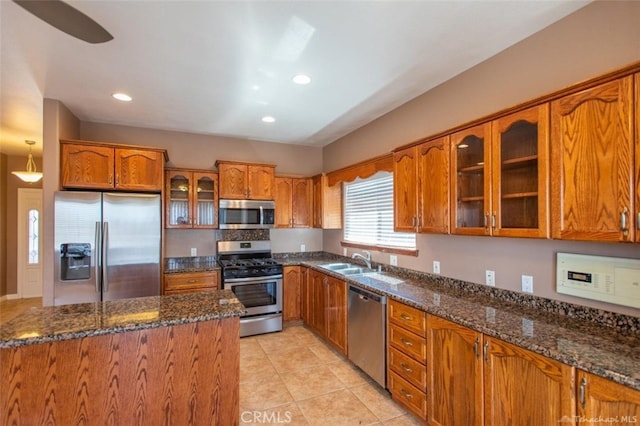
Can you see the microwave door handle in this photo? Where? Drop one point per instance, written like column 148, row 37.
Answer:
column 96, row 257
column 261, row 215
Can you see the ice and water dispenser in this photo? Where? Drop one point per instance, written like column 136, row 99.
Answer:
column 75, row 261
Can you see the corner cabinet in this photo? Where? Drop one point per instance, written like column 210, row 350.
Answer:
column 500, row 176
column 191, row 199
column 293, row 202
column 246, row 181
column 94, row 165
column 421, row 187
column 593, row 165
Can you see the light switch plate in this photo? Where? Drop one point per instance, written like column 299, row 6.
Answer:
column 393, row 260
column 194, row 251
column 527, row 284
column 303, row 247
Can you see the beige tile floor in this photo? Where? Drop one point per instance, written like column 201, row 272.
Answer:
column 293, row 377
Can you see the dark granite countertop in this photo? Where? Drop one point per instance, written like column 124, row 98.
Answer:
column 610, row 351
column 53, row 323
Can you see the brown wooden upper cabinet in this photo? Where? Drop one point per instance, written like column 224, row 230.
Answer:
column 593, row 165
column 421, row 187
column 242, row 181
column 92, row 165
column 293, row 202
column 327, row 203
column 500, row 176
column 191, row 199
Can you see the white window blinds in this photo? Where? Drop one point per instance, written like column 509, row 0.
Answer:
column 368, row 213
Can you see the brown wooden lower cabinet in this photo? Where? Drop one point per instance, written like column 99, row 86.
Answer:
column 183, row 374
column 325, row 307
column 607, row 401
column 190, row 282
column 292, row 288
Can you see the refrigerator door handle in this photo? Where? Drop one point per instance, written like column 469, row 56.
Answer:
column 105, row 248
column 97, row 254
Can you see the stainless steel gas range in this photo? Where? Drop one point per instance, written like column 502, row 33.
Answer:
column 256, row 279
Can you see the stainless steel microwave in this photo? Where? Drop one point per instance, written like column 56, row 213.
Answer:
column 247, row 214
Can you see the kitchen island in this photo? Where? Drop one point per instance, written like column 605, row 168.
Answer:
column 153, row 360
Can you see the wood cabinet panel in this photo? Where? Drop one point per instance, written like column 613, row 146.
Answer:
column 316, row 299
column 110, row 167
column 246, row 181
column 292, row 287
column 411, row 344
column 155, row 376
column 191, row 282
column 454, row 364
column 336, row 313
column 293, row 202
column 592, row 157
column 522, row 387
column 327, row 203
column 599, row 398
column 405, row 190
column 410, row 369
column 408, row 317
column 138, row 170
column 433, row 176
column 637, row 159
column 408, row 395
column 85, row 166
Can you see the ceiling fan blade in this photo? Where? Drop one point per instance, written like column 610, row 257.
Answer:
column 67, row 19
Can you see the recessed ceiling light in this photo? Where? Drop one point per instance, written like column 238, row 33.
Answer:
column 301, row 79
column 122, row 97
column 268, row 119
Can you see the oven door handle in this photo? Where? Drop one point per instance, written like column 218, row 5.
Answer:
column 259, row 318
column 252, row 279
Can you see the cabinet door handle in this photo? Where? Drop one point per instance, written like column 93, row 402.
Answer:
column 191, row 281
column 406, row 342
column 486, row 221
column 638, row 221
column 110, row 179
column 405, row 317
column 476, row 345
column 583, row 389
column 406, row 368
column 493, row 220
column 623, row 222
column 406, row 394
column 485, row 351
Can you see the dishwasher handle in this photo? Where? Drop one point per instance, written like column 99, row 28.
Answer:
column 367, row 294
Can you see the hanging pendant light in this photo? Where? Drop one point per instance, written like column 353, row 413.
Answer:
column 30, row 175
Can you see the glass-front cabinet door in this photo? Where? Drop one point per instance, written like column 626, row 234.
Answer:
column 178, row 205
column 470, row 181
column 205, row 200
column 520, row 175
column 191, row 199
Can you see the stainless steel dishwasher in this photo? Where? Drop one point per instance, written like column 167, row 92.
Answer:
column 367, row 332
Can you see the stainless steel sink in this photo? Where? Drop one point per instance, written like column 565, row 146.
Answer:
column 345, row 268
column 336, row 266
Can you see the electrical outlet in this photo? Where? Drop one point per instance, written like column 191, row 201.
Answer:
column 527, row 284
column 436, row 267
column 303, row 247
column 490, row 277
column 194, row 251
column 393, row 260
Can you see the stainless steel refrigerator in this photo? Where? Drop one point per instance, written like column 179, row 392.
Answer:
column 108, row 246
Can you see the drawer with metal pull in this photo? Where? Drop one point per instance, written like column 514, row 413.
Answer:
column 194, row 281
column 408, row 395
column 410, row 318
column 407, row 342
column 410, row 369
